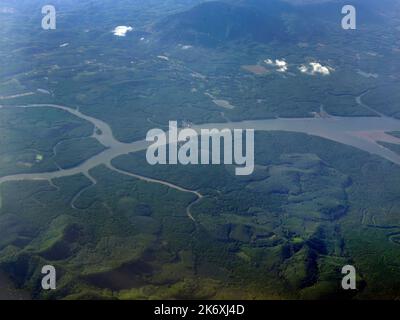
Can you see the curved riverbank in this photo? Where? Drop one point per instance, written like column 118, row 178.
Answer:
column 357, row 132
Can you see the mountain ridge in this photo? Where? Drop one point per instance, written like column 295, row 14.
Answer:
column 212, row 23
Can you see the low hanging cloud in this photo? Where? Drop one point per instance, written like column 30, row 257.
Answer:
column 314, row 68
column 7, row 10
column 185, row 46
column 121, row 31
column 280, row 65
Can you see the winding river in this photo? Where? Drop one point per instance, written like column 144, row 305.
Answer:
column 360, row 132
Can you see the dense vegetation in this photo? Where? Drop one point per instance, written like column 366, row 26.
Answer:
column 311, row 206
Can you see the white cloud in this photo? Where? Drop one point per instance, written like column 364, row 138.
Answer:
column 314, row 68
column 303, row 68
column 186, row 47
column 7, row 10
column 163, row 58
column 280, row 65
column 121, row 31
